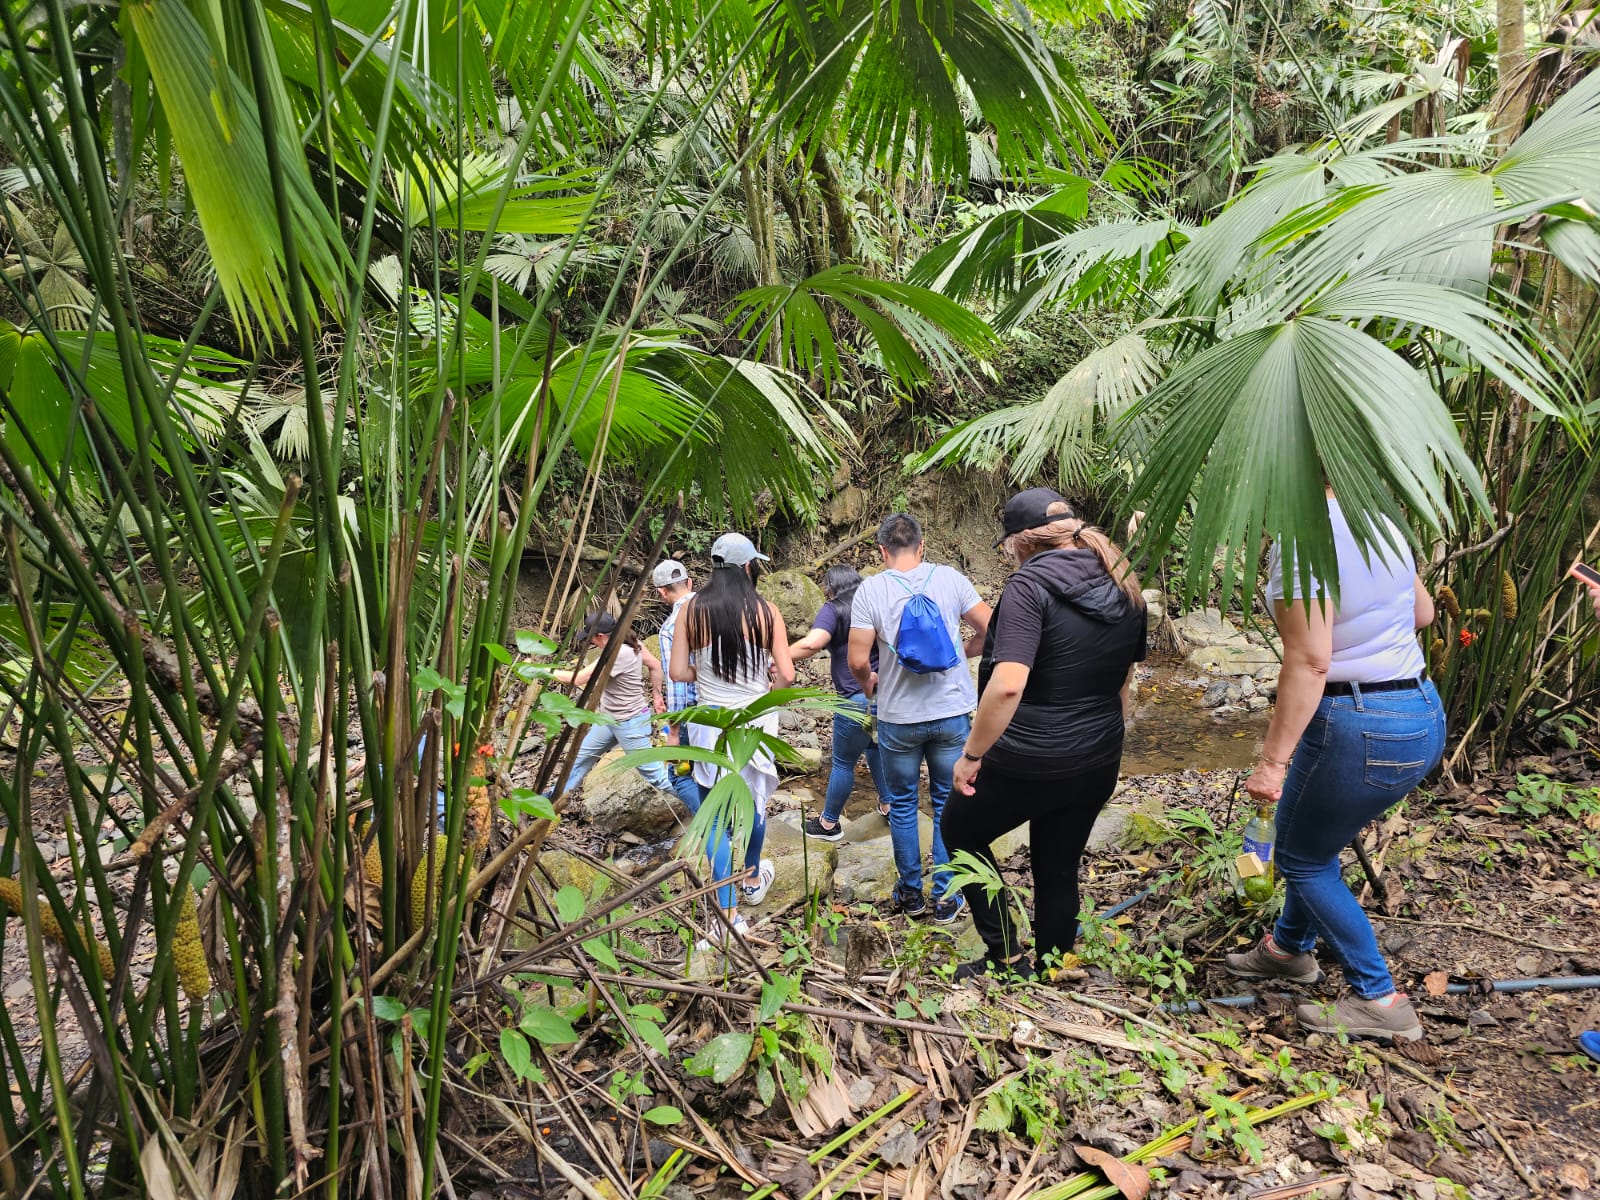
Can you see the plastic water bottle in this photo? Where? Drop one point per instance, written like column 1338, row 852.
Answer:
column 682, row 766
column 1253, row 870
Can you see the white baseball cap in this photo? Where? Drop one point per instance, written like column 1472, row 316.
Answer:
column 668, row 573
column 735, row 550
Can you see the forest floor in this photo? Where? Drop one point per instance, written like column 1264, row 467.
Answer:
column 984, row 1092
column 832, row 1054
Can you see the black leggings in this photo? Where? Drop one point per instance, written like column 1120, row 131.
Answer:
column 1061, row 812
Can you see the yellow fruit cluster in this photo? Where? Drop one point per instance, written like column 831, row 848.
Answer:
column 1447, row 601
column 477, row 824
column 188, row 951
column 1508, row 596
column 11, row 897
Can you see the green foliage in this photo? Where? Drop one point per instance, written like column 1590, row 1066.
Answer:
column 1040, row 1100
column 1155, row 965
column 1538, row 796
column 723, row 1058
column 1232, row 1120
column 914, row 331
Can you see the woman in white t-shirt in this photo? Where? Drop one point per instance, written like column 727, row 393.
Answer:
column 732, row 645
column 623, row 700
column 1357, row 725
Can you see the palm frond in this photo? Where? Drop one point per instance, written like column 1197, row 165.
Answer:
column 1558, row 156
column 1251, row 426
column 987, row 258
column 1064, row 423
column 889, row 68
column 912, row 327
column 216, row 129
column 467, row 194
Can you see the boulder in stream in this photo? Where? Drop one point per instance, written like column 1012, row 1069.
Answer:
column 620, row 801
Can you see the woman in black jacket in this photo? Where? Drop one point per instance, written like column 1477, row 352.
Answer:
column 1046, row 744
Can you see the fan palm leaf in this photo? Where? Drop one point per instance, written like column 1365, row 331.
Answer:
column 988, row 258
column 43, row 423
column 46, row 273
column 1252, row 425
column 912, row 328
column 466, row 193
column 890, row 70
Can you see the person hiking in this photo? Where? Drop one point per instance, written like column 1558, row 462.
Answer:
column 732, row 645
column 672, row 584
column 623, row 700
column 912, row 612
column 1356, row 726
column 852, row 738
column 1046, row 743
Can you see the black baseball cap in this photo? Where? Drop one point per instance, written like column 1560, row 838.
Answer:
column 1031, row 509
column 597, row 623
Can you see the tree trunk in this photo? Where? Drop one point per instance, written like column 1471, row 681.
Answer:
column 1511, row 103
column 832, row 189
column 758, row 214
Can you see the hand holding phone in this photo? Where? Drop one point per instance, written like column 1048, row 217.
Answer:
column 1590, row 578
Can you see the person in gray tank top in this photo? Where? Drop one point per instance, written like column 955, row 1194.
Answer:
column 622, row 699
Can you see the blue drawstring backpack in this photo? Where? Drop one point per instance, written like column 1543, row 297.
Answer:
column 922, row 642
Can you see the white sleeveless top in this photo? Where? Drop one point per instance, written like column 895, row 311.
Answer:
column 761, row 773
column 1374, row 626
column 747, row 688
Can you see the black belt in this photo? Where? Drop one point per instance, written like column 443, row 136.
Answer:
column 1384, row 685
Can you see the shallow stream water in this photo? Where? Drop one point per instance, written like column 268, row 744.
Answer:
column 1171, row 732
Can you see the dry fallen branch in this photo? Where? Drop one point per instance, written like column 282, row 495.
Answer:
column 1394, row 1060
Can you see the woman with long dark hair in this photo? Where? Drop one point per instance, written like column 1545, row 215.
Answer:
column 852, row 737
column 731, row 644
column 1046, row 743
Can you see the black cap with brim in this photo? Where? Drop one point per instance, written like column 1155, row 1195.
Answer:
column 1031, row 509
column 597, row 623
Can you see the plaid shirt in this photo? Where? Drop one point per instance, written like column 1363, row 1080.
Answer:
column 678, row 695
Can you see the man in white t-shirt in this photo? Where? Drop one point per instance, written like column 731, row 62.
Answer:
column 672, row 584
column 922, row 717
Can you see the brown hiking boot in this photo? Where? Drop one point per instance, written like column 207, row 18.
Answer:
column 1263, row 961
column 1363, row 1018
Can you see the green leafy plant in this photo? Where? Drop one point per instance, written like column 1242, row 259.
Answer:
column 1153, row 964
column 1041, row 1098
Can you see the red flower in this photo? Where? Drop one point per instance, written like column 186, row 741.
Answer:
column 1468, row 637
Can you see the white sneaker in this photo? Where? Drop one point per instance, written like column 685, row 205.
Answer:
column 755, row 893
column 740, row 926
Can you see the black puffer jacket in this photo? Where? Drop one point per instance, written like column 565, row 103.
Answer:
column 1064, row 617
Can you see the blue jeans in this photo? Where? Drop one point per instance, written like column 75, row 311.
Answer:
column 634, row 734
column 850, row 741
column 1357, row 759
column 902, row 750
column 719, row 849
column 684, row 785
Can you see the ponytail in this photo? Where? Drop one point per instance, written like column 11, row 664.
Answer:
column 1072, row 531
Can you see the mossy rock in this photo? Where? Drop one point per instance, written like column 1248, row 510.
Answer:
column 797, row 596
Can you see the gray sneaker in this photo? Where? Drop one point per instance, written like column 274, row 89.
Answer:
column 1363, row 1018
column 1259, row 962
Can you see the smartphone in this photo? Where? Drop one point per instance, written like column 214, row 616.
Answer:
column 1585, row 574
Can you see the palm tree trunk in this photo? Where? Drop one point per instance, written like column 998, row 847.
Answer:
column 1511, row 59
column 832, row 189
column 758, row 214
